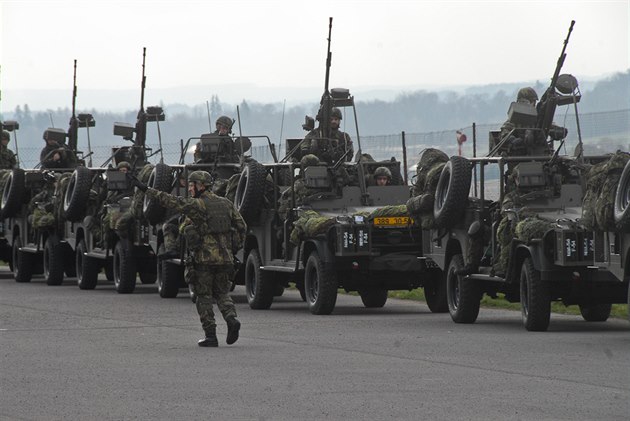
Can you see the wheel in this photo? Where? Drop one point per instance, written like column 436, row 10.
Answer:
column 109, row 271
column 535, row 298
column 250, row 191
column 69, row 261
column 258, row 286
column 452, row 192
column 87, row 268
column 622, row 200
column 12, row 194
column 161, row 179
column 22, row 262
column 124, row 268
column 53, row 261
column 147, row 278
column 320, row 285
column 595, row 312
column 373, row 297
column 77, row 194
column 463, row 296
column 435, row 292
column 169, row 276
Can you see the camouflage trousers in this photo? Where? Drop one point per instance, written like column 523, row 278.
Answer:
column 211, row 283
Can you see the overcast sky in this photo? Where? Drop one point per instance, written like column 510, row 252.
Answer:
column 283, row 43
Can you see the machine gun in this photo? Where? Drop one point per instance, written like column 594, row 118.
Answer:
column 82, row 120
column 546, row 107
column 326, row 104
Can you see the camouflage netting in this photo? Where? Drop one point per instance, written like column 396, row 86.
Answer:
column 310, row 224
column 602, row 180
column 532, row 227
column 428, row 172
column 398, row 210
column 124, row 223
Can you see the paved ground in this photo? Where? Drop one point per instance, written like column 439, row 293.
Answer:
column 72, row 354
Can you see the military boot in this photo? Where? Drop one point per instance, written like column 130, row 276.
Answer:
column 211, row 338
column 233, row 326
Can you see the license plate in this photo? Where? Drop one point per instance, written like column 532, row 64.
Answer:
column 392, row 221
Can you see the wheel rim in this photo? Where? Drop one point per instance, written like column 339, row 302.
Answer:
column 46, row 262
column 70, row 191
column 443, row 187
column 625, row 196
column 250, row 279
column 79, row 263
column 313, row 285
column 15, row 254
column 117, row 268
column 7, row 189
column 524, row 295
column 453, row 286
column 159, row 280
column 241, row 188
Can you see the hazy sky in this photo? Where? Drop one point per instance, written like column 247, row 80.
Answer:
column 283, row 43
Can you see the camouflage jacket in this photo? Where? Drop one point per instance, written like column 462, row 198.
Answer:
column 7, row 159
column 68, row 159
column 340, row 142
column 216, row 243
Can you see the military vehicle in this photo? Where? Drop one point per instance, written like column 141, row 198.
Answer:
column 5, row 245
column 529, row 244
column 329, row 226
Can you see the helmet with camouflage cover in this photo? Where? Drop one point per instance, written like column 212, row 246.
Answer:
column 123, row 164
column 336, row 112
column 225, row 121
column 527, row 94
column 308, row 160
column 382, row 172
column 202, row 177
column 6, row 135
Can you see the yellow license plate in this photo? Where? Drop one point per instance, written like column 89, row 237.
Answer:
column 392, row 221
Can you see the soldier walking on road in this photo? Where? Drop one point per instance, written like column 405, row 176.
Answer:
column 213, row 229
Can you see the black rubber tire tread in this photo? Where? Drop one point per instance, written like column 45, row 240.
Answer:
column 77, row 194
column 53, row 261
column 622, row 200
column 108, row 268
column 535, row 298
column 435, row 291
column 320, row 285
column 87, row 268
column 250, row 191
column 13, row 194
column 147, row 278
column 463, row 296
column 124, row 268
column 161, row 179
column 259, row 288
column 452, row 192
column 22, row 262
column 373, row 297
column 69, row 261
column 169, row 276
column 596, row 312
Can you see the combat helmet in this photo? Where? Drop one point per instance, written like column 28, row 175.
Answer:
column 202, row 177
column 527, row 94
column 382, row 172
column 225, row 121
column 123, row 164
column 309, row 160
column 6, row 135
column 336, row 112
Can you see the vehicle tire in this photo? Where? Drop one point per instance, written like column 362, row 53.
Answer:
column 320, row 285
column 69, row 261
column 53, row 261
column 108, row 268
column 22, row 262
column 250, row 191
column 452, row 192
column 535, row 298
column 169, row 276
column 124, row 268
column 463, row 296
column 87, row 268
column 12, row 194
column 435, row 292
column 259, row 287
column 77, row 194
column 161, row 179
column 373, row 297
column 302, row 294
column 622, row 200
column 596, row 312
column 147, row 278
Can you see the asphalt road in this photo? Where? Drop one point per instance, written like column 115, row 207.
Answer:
column 71, row 354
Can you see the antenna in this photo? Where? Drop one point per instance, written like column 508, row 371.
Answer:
column 284, row 103
column 208, row 111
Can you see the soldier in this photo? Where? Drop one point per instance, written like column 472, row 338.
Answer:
column 316, row 142
column 54, row 155
column 213, row 229
column 227, row 152
column 7, row 157
column 382, row 176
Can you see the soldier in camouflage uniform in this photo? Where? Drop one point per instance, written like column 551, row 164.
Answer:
column 227, row 151
column 55, row 155
column 316, row 142
column 213, row 229
column 7, row 157
column 382, row 176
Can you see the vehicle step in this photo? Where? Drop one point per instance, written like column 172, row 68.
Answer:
column 288, row 269
column 27, row 249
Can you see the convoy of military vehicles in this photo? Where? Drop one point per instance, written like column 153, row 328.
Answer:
column 558, row 229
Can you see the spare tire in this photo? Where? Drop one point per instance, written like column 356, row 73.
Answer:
column 622, row 200
column 452, row 192
column 250, row 191
column 12, row 194
column 161, row 179
column 77, row 194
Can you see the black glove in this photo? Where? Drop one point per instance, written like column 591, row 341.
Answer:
column 133, row 181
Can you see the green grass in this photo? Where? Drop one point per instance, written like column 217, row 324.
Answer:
column 619, row 311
